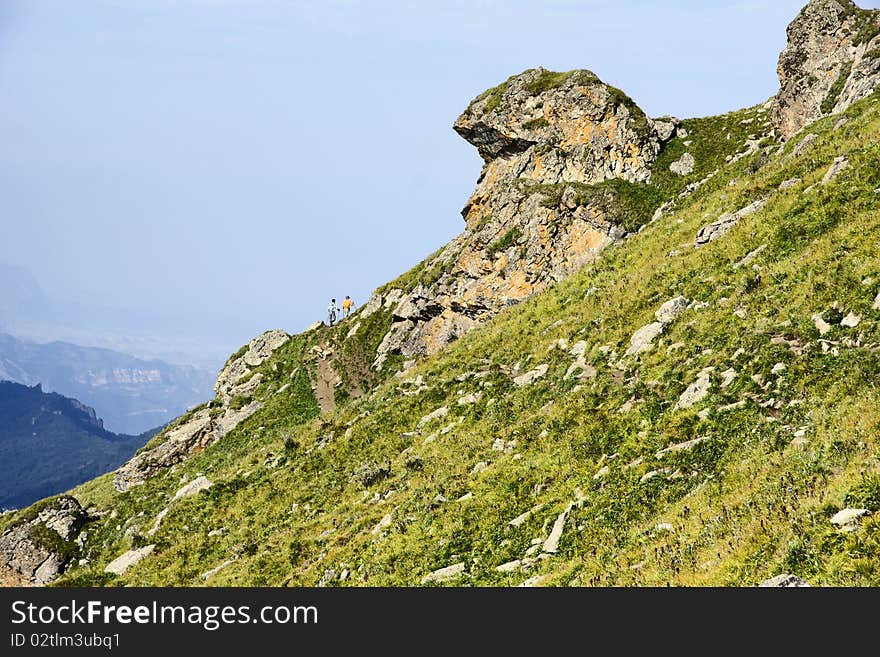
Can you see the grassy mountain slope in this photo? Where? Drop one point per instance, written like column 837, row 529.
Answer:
column 376, row 493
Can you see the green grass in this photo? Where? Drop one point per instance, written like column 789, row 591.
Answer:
column 504, row 242
column 292, row 499
column 837, row 88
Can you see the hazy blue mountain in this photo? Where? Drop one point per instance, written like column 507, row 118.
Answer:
column 133, row 395
column 50, row 443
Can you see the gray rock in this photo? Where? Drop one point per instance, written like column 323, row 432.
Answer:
column 665, row 130
column 750, row 257
column 822, row 70
column 258, row 351
column 726, row 222
column 194, row 487
column 581, row 370
column 788, row 184
column 441, row 412
column 27, row 561
column 821, row 325
column 808, row 140
column 209, row 574
column 643, row 339
column 671, row 309
column 445, row 574
column 541, row 135
column 531, row 376
column 510, row 566
column 683, row 166
column 131, row 558
column 839, row 164
column 194, row 435
column 848, row 519
column 384, row 523
column 695, row 392
column 785, row 581
column 551, row 545
column 520, row 519
column 851, row 321
column 876, row 305
column 680, row 447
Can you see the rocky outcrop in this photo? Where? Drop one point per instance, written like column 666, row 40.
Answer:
column 36, row 551
column 541, row 209
column 257, row 352
column 831, row 61
column 197, row 431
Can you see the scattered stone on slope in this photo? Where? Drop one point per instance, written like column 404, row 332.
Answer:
column 520, row 519
column 194, row 487
column 384, row 523
column 680, row 447
column 580, row 348
column 551, row 545
column 472, row 398
column 26, row 559
column 510, row 566
column 683, row 166
column 531, row 376
column 441, row 412
column 444, row 574
column 808, row 140
column 581, row 370
column 210, row 573
column 726, row 222
column 785, row 581
column 131, row 558
column 821, row 325
column 697, row 391
column 158, row 521
column 671, row 309
column 824, row 69
column 750, row 257
column 665, row 130
column 851, row 321
column 727, row 377
column 840, row 163
column 788, row 184
column 643, row 339
column 532, row 581
column 876, row 305
column 848, row 519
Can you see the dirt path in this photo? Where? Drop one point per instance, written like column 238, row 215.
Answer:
column 324, row 386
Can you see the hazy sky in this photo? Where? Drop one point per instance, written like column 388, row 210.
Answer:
column 229, row 165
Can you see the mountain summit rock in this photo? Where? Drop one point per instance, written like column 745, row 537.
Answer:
column 831, row 61
column 552, row 144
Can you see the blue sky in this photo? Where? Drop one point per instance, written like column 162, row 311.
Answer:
column 229, row 165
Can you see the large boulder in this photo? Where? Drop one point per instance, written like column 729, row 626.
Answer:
column 540, row 211
column 831, row 61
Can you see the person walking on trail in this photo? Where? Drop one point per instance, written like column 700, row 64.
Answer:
column 347, row 306
column 331, row 312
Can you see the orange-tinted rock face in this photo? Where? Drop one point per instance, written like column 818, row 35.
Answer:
column 543, row 136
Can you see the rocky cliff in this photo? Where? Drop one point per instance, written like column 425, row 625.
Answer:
column 831, row 61
column 551, row 143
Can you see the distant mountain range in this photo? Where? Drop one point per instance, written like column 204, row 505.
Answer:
column 50, row 443
column 132, row 395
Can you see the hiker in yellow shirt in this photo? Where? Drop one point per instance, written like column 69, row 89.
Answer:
column 347, row 306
